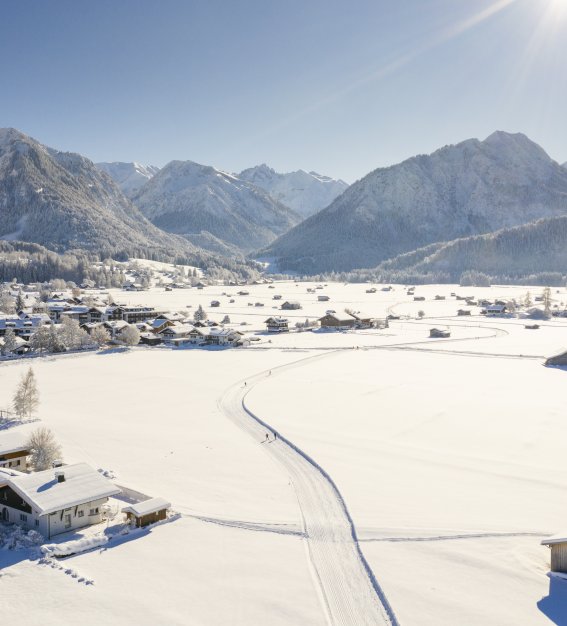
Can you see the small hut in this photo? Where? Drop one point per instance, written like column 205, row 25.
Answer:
column 558, row 359
column 441, row 333
column 147, row 512
column 558, row 546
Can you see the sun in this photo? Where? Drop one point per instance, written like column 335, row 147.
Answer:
column 557, row 9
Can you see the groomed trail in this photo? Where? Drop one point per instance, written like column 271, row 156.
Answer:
column 350, row 593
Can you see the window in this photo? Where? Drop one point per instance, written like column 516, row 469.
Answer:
column 94, row 511
column 37, row 522
column 23, row 517
column 80, row 514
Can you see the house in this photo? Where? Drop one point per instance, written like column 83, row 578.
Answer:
column 494, row 310
column 291, row 305
column 147, row 512
column 440, row 333
column 21, row 346
column 558, row 546
column 224, row 336
column 150, row 339
column 56, row 500
column 133, row 314
column 332, row 320
column 439, row 297
column 199, row 334
column 215, row 303
column 179, row 331
column 462, row 312
column 371, row 290
column 14, row 450
column 276, row 297
column 277, row 324
column 323, row 298
column 419, row 298
column 24, row 325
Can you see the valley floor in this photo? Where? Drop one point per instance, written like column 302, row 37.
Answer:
column 447, row 455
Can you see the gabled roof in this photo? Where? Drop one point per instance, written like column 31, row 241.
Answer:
column 153, row 505
column 45, row 494
column 12, row 441
column 558, row 538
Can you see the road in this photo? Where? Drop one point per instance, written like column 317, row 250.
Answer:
column 349, row 591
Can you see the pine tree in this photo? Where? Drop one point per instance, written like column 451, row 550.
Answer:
column 20, row 301
column 26, row 398
column 10, row 342
column 200, row 314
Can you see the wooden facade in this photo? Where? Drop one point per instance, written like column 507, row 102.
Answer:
column 145, row 520
column 558, row 547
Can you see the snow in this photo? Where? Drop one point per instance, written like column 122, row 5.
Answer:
column 82, row 484
column 12, row 440
column 147, row 506
column 446, row 454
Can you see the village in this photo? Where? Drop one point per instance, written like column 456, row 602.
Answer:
column 153, row 467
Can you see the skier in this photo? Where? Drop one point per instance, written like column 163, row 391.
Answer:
column 267, row 437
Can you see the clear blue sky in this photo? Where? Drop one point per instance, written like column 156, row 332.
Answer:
column 334, row 86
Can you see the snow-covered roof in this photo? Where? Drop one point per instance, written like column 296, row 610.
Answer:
column 45, row 493
column 557, row 538
column 12, row 441
column 153, row 505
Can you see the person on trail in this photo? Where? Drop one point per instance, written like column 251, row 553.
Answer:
column 245, row 383
column 275, row 436
column 267, row 437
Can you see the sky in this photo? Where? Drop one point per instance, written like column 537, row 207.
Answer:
column 327, row 85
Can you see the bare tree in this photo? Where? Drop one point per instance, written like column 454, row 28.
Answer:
column 100, row 336
column 26, row 398
column 43, row 448
column 7, row 303
column 130, row 335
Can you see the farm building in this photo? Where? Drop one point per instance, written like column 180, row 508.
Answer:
column 56, row 500
column 332, row 320
column 277, row 324
column 558, row 359
column 148, row 512
column 291, row 305
column 323, row 298
column 440, row 333
column 419, row 298
column 558, row 546
column 462, row 312
column 494, row 310
column 14, row 450
column 215, row 303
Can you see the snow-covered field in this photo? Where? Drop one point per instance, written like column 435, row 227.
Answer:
column 448, row 455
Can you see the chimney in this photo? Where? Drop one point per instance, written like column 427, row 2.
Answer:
column 60, row 475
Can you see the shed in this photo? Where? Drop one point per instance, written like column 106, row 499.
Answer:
column 441, row 333
column 147, row 512
column 558, row 546
column 558, row 359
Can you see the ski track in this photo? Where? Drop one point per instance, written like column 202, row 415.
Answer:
column 349, row 591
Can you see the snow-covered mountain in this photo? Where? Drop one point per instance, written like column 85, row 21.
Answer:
column 470, row 188
column 189, row 199
column 62, row 201
column 536, row 247
column 304, row 192
column 128, row 176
